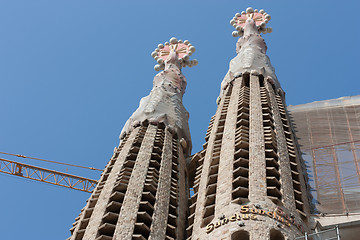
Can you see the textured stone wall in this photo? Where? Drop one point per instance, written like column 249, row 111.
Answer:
column 253, row 170
column 141, row 194
column 248, row 181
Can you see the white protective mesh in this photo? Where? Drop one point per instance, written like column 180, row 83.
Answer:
column 329, row 136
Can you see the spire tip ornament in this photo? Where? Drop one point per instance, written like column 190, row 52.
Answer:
column 260, row 17
column 182, row 49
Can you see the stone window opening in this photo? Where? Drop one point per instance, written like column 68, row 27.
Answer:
column 240, row 235
column 276, row 235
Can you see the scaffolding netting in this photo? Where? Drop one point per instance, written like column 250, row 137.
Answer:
column 329, row 136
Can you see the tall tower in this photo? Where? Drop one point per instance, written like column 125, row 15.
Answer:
column 142, row 191
column 248, row 181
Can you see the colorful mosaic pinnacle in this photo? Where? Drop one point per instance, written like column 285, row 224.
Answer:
column 261, row 18
column 183, row 50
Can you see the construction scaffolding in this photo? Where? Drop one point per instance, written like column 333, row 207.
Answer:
column 329, row 136
column 329, row 234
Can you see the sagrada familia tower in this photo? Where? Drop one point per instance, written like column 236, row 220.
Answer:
column 248, row 181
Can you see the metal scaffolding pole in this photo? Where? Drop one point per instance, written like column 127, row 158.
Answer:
column 352, row 145
column 336, row 166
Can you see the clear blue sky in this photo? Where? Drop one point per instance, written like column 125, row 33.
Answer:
column 72, row 72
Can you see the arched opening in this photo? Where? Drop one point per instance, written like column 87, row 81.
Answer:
column 276, row 235
column 240, row 235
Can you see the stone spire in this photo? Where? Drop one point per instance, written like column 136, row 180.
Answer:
column 164, row 103
column 142, row 192
column 248, row 181
column 250, row 48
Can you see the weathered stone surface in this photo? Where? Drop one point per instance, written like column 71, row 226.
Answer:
column 249, row 127
column 251, row 57
column 164, row 103
column 142, row 193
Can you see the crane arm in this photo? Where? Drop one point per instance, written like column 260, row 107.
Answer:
column 47, row 175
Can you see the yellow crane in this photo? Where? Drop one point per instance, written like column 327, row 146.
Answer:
column 47, row 175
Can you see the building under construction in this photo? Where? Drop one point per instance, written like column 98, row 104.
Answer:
column 329, row 136
column 253, row 178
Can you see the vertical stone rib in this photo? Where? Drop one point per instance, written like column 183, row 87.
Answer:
column 127, row 218
column 257, row 164
column 284, row 161
column 161, row 208
column 297, row 171
column 82, row 221
column 198, row 159
column 100, row 207
column 182, row 194
column 224, row 185
column 199, row 210
column 302, row 173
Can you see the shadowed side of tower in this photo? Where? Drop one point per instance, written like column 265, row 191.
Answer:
column 142, row 191
column 248, row 180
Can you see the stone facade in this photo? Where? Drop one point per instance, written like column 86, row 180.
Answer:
column 142, row 191
column 248, row 181
column 138, row 195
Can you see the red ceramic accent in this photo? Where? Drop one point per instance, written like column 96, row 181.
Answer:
column 181, row 50
column 257, row 17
